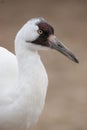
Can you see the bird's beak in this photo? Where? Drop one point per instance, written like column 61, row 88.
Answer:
column 55, row 44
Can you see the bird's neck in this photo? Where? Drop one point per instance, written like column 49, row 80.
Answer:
column 32, row 74
column 28, row 61
column 32, row 80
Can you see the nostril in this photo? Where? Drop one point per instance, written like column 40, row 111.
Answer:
column 60, row 46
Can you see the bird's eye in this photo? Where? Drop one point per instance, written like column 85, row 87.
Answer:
column 40, row 31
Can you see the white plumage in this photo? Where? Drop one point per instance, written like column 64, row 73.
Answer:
column 23, row 79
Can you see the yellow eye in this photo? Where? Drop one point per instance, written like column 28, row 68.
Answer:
column 40, row 31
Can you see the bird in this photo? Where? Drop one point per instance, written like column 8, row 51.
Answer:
column 23, row 77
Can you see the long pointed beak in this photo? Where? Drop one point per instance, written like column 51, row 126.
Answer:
column 55, row 44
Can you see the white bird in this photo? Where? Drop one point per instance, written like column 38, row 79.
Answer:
column 23, row 78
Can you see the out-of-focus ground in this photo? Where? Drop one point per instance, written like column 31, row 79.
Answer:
column 66, row 102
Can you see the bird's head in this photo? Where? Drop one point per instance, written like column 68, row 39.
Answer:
column 37, row 34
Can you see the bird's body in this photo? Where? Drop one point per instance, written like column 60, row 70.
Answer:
column 23, row 78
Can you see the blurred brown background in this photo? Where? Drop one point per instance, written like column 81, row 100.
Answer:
column 66, row 103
